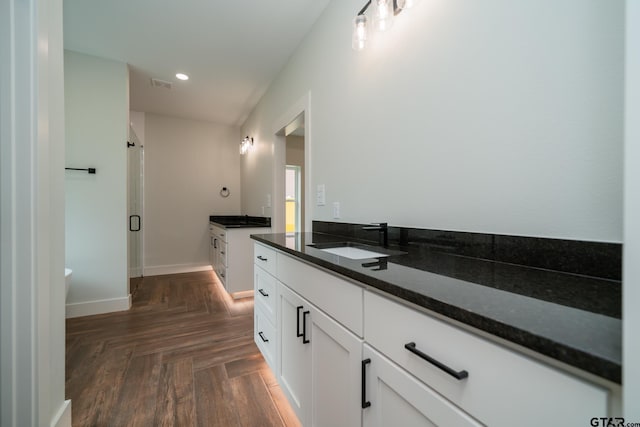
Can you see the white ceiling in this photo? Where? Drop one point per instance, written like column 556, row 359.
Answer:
column 231, row 50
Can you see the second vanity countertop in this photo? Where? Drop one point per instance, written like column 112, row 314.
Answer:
column 240, row 221
column 570, row 318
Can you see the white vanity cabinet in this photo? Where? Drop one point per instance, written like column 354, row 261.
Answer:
column 230, row 252
column 353, row 357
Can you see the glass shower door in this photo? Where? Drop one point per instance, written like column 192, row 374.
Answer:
column 135, row 162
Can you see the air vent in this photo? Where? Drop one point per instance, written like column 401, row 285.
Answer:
column 161, row 83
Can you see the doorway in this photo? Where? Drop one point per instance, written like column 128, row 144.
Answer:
column 294, row 176
column 292, row 147
column 293, row 199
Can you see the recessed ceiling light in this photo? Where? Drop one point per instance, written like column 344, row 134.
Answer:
column 182, row 76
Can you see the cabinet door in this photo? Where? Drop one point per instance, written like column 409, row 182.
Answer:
column 397, row 397
column 336, row 355
column 293, row 360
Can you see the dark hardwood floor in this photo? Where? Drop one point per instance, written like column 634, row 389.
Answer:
column 182, row 356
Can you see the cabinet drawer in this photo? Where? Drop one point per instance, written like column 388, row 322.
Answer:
column 218, row 232
column 265, row 337
column 394, row 395
column 265, row 258
column 265, row 292
column 503, row 387
column 338, row 298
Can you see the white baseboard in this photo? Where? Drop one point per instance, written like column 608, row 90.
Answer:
column 159, row 270
column 89, row 308
column 63, row 417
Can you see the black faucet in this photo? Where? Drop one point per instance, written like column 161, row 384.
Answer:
column 383, row 235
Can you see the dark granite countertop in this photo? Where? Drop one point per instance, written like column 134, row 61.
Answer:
column 240, row 221
column 572, row 318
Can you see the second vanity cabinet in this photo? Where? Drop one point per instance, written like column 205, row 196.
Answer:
column 230, row 252
column 346, row 355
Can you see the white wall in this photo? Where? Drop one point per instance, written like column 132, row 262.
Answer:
column 187, row 162
column 493, row 116
column 97, row 123
column 631, row 277
column 32, row 325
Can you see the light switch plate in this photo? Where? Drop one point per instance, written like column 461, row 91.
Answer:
column 320, row 195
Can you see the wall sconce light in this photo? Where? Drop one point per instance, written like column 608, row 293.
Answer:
column 246, row 145
column 383, row 13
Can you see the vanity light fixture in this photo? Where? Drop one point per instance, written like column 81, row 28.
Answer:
column 182, row 76
column 246, row 144
column 383, row 13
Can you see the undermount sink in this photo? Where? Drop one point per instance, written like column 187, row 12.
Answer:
column 353, row 253
column 353, row 250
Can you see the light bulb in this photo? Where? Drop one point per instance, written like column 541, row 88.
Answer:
column 383, row 14
column 359, row 32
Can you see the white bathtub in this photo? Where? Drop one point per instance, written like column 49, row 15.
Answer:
column 67, row 281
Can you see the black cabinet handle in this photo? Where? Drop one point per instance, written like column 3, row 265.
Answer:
column 298, row 333
column 215, row 243
column 222, row 252
column 263, row 293
column 459, row 375
column 365, row 402
column 261, row 258
column 262, row 337
column 304, row 328
column 131, row 217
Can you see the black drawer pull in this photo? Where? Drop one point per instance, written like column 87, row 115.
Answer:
column 304, row 328
column 459, row 375
column 261, row 258
column 298, row 333
column 262, row 337
column 263, row 293
column 365, row 402
column 222, row 252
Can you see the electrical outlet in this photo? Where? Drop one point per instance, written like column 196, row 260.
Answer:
column 268, row 200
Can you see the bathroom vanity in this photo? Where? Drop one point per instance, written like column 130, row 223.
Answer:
column 370, row 339
column 230, row 250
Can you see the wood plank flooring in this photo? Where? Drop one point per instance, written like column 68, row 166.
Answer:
column 182, row 356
